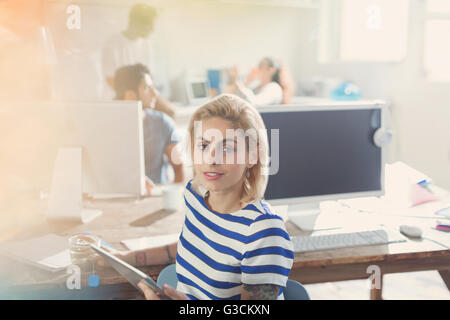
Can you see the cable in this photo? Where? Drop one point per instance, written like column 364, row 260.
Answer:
column 437, row 242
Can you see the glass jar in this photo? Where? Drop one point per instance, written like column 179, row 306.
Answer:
column 81, row 253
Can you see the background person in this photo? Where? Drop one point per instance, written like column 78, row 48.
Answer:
column 132, row 46
column 160, row 137
column 268, row 83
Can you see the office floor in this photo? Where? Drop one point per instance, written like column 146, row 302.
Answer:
column 425, row 285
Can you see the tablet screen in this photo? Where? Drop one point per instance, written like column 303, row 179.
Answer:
column 132, row 274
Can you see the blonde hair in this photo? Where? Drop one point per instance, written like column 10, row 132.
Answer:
column 243, row 116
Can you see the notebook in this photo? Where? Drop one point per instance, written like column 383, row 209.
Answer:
column 49, row 252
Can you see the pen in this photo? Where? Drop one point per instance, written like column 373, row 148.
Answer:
column 425, row 184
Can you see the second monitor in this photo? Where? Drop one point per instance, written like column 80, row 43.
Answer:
column 97, row 149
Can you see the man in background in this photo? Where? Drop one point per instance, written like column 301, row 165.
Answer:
column 134, row 82
column 133, row 46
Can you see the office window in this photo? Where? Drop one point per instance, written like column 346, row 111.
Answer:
column 437, row 46
column 438, row 6
column 362, row 30
column 373, row 30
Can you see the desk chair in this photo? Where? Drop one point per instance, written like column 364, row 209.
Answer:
column 168, row 276
column 293, row 290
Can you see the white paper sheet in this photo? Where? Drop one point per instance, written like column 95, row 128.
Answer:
column 57, row 261
column 150, row 242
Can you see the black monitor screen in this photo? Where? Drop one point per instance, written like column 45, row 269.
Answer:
column 199, row 90
column 324, row 152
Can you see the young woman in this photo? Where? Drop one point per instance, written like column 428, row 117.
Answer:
column 232, row 246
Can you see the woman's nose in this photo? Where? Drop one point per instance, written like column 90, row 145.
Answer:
column 213, row 157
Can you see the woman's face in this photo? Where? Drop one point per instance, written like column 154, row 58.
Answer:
column 220, row 156
column 265, row 72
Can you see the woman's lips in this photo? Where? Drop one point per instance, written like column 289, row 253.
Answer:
column 212, row 175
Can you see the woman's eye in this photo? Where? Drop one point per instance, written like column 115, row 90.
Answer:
column 202, row 146
column 228, row 149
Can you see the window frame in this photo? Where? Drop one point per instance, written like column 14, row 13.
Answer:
column 330, row 36
column 430, row 16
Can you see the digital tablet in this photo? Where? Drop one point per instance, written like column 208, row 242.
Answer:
column 132, row 274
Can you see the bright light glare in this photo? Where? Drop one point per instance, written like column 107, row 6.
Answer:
column 374, row 30
column 438, row 6
column 437, row 51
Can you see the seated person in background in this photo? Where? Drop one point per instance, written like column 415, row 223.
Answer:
column 269, row 83
column 160, row 139
column 162, row 104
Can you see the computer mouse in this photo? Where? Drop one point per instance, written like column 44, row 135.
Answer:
column 411, row 231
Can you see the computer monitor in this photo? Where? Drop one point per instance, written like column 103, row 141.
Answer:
column 197, row 89
column 324, row 152
column 98, row 150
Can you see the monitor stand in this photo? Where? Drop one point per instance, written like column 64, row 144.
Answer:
column 65, row 198
column 312, row 207
column 310, row 217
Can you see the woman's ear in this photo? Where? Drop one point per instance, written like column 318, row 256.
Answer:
column 130, row 95
column 252, row 158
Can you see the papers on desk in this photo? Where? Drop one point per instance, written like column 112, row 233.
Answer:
column 403, row 195
column 49, row 252
column 57, row 261
column 150, row 242
column 399, row 181
column 444, row 212
column 400, row 170
column 382, row 206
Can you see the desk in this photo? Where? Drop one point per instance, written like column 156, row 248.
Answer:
column 23, row 281
column 353, row 263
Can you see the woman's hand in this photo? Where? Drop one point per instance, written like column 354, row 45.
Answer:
column 252, row 76
column 167, row 290
column 240, row 86
column 149, row 185
column 100, row 262
column 233, row 74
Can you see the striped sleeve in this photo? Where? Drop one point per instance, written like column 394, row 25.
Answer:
column 268, row 253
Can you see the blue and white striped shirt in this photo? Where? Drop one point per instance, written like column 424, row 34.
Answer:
column 217, row 253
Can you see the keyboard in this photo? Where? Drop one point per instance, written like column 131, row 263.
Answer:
column 343, row 240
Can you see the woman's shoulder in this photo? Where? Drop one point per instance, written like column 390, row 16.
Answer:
column 264, row 209
column 197, row 190
column 158, row 116
column 274, row 90
column 273, row 86
column 267, row 224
